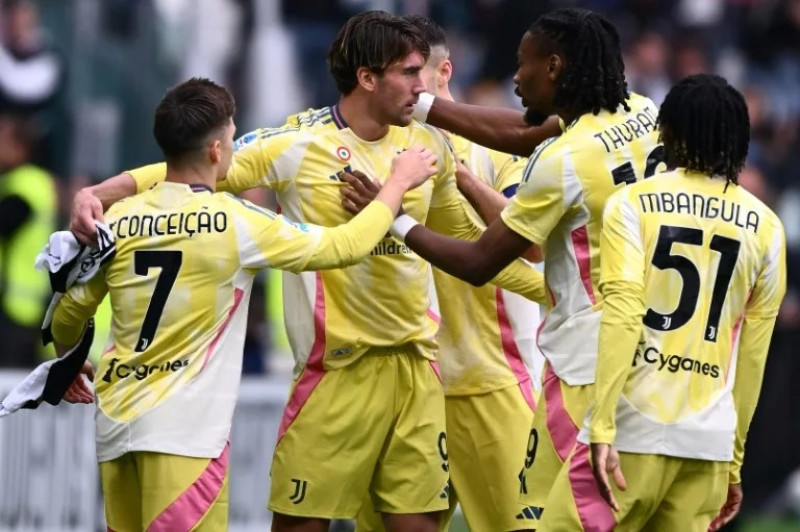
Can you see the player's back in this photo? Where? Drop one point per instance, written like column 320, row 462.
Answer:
column 174, row 356
column 594, row 157
column 705, row 245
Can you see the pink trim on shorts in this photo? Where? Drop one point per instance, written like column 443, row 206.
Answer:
column 593, row 511
column 193, row 504
column 436, row 370
column 432, row 315
column 562, row 430
column 109, row 529
column 314, row 370
column 511, row 351
column 580, row 243
column 237, row 298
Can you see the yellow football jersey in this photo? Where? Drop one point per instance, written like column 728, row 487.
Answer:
column 559, row 206
column 709, row 262
column 382, row 301
column 486, row 340
column 179, row 286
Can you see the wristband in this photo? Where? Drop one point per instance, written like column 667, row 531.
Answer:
column 423, row 106
column 401, row 226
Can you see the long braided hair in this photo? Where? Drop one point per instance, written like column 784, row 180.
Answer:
column 595, row 73
column 708, row 125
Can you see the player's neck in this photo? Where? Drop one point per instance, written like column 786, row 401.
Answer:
column 355, row 112
column 568, row 115
column 444, row 94
column 191, row 175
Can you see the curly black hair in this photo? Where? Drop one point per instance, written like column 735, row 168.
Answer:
column 707, row 126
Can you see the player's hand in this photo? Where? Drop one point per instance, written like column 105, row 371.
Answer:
column 464, row 177
column 359, row 192
column 79, row 391
column 730, row 509
column 414, row 166
column 605, row 460
column 86, row 208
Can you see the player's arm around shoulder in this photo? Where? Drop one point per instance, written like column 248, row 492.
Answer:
column 268, row 240
column 257, row 154
column 494, row 127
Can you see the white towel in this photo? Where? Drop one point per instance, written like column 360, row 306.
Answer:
column 67, row 261
column 50, row 380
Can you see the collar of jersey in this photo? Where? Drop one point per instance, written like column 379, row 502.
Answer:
column 194, row 187
column 338, row 119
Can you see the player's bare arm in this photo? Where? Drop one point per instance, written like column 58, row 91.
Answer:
column 475, row 262
column 488, row 202
column 497, row 128
column 90, row 203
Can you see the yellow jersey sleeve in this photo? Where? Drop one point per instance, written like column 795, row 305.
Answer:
column 622, row 286
column 253, row 163
column 256, row 157
column 509, row 171
column 76, row 307
column 543, row 197
column 759, row 322
column 267, row 240
column 147, row 176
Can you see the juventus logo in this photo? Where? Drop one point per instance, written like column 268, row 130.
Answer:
column 299, row 494
column 667, row 323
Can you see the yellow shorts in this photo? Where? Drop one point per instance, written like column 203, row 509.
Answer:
column 375, row 426
column 663, row 493
column 559, row 412
column 486, row 436
column 165, row 493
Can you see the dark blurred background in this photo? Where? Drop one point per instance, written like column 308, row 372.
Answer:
column 79, row 80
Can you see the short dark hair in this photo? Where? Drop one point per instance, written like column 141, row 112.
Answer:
column 595, row 73
column 708, row 125
column 374, row 40
column 433, row 33
column 188, row 113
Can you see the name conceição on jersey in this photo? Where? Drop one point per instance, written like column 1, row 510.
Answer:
column 176, row 223
column 709, row 207
column 673, row 363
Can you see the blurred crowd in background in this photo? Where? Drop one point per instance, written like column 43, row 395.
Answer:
column 79, row 81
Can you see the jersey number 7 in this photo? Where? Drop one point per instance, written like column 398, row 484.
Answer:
column 170, row 264
column 663, row 259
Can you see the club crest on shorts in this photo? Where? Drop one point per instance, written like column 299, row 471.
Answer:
column 299, row 494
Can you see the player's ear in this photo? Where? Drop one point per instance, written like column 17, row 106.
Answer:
column 445, row 72
column 366, row 78
column 555, row 64
column 215, row 151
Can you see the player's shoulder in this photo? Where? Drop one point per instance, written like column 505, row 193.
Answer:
column 419, row 132
column 500, row 159
column 241, row 207
column 128, row 205
column 298, row 128
column 767, row 216
column 639, row 103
